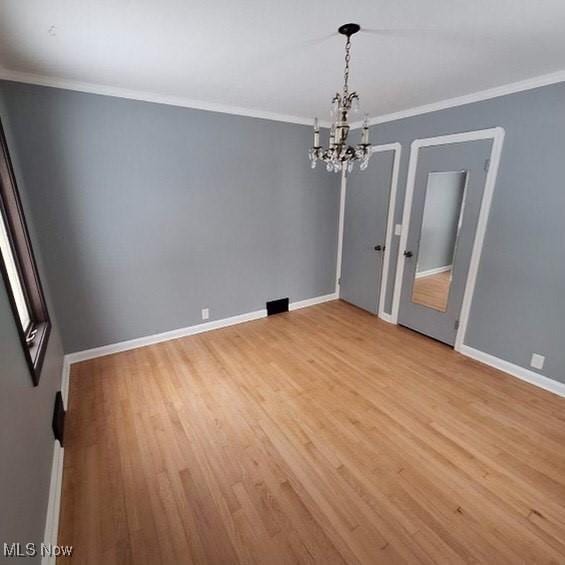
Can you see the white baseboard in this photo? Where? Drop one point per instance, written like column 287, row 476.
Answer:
column 515, row 370
column 65, row 381
column 312, row 301
column 434, row 271
column 386, row 317
column 71, row 358
column 54, row 504
column 164, row 336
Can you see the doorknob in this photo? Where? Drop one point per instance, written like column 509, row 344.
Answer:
column 379, row 248
column 408, row 254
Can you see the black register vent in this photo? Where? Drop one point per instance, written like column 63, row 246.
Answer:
column 58, row 423
column 277, row 306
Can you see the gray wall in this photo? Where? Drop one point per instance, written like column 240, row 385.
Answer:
column 440, row 220
column 518, row 306
column 149, row 213
column 26, row 439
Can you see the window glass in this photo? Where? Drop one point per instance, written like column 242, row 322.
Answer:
column 14, row 277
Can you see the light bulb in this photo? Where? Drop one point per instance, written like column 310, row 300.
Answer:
column 365, row 131
column 355, row 106
column 316, row 133
column 332, row 135
column 333, row 109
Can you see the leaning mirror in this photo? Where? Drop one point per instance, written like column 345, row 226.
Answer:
column 443, row 206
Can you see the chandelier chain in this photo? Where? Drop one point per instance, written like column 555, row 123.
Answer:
column 346, row 72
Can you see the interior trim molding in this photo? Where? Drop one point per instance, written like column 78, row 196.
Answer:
column 478, row 96
column 78, row 356
column 434, row 271
column 170, row 100
column 397, row 148
column 531, row 377
column 386, row 317
column 54, row 505
column 340, row 229
column 312, row 301
column 497, row 135
column 145, row 96
column 65, row 382
column 160, row 337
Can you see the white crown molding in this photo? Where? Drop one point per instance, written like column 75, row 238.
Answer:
column 515, row 370
column 78, row 356
column 479, row 96
column 105, row 90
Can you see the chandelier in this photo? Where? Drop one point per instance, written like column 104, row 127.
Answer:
column 340, row 155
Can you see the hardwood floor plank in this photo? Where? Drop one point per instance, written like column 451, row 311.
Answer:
column 320, row 436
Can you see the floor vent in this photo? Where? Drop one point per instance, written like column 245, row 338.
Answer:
column 277, row 306
column 58, row 423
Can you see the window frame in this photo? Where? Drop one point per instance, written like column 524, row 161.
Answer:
column 34, row 339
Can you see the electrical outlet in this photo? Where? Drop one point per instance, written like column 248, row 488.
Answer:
column 205, row 313
column 537, row 361
column 398, row 229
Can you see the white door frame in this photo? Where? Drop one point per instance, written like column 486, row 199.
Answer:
column 397, row 148
column 497, row 135
column 341, row 222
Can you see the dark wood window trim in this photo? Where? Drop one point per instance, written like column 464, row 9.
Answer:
column 33, row 338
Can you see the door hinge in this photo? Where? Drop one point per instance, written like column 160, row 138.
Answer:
column 339, row 281
column 487, row 165
column 456, row 324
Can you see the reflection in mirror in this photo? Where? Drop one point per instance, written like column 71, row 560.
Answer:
column 438, row 238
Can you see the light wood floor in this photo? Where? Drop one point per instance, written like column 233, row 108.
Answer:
column 433, row 290
column 319, row 436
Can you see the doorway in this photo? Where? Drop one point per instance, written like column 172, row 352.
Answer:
column 447, row 199
column 368, row 216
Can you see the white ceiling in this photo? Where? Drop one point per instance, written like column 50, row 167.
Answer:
column 284, row 56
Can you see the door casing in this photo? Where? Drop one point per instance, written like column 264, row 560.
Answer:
column 397, row 149
column 497, row 135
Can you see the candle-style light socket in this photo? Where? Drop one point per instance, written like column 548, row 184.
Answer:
column 316, row 133
column 365, row 134
column 332, row 136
